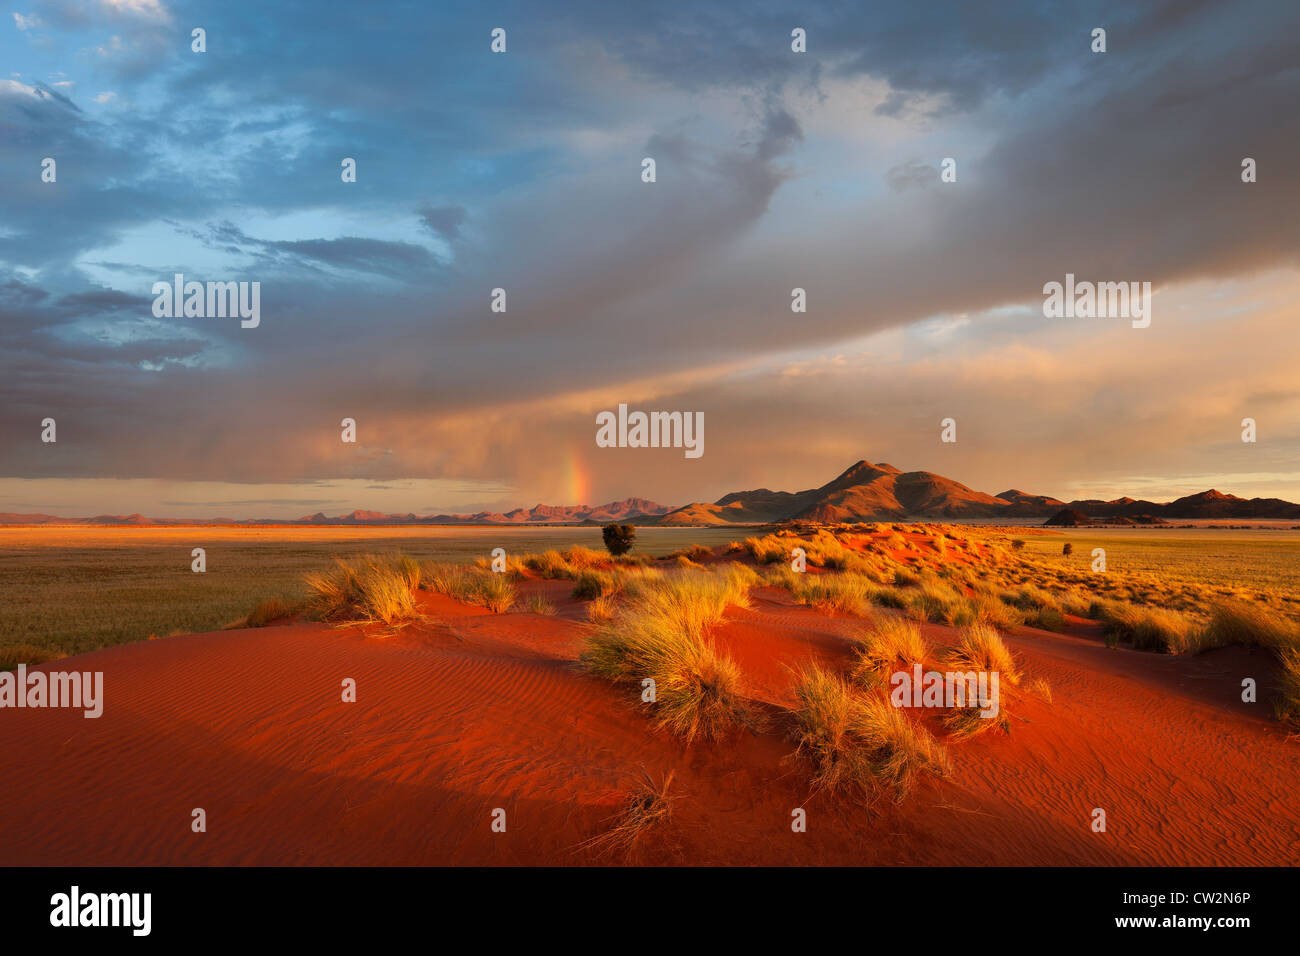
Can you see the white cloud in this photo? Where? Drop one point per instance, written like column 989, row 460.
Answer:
column 112, row 47
column 150, row 9
column 28, row 22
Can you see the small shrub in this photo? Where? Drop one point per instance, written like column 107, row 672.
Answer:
column 619, row 538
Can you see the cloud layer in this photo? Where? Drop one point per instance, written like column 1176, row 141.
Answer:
column 522, row 171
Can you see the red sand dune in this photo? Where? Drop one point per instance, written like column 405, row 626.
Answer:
column 474, row 711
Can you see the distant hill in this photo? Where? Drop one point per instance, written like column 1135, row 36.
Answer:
column 867, row 492
column 1068, row 518
column 629, row 509
column 862, row 492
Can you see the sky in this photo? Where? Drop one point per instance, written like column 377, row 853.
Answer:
column 522, row 170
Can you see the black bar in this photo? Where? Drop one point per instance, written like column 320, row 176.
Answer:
column 331, row 905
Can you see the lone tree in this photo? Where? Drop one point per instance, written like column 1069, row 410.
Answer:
column 618, row 538
column 1068, row 548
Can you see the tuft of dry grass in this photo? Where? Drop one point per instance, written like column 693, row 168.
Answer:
column 845, row 592
column 695, row 553
column 367, row 590
column 1149, row 628
column 11, row 655
column 550, row 565
column 939, row 603
column 995, row 613
column 268, row 612
column 648, row 806
column 857, row 742
column 409, row 569
column 488, row 589
column 966, row 722
column 766, row 550
column 1287, row 705
column 600, row 610
column 981, row 648
column 1241, row 622
column 537, row 604
column 1042, row 688
column 661, row 634
column 594, row 584
column 889, row 642
column 581, row 558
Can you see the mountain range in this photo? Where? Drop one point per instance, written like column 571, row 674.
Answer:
column 863, row 492
column 628, row 510
column 867, row 492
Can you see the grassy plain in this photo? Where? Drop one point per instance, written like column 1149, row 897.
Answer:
column 68, row 590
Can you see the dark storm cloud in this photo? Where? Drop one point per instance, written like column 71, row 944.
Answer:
column 444, row 221
column 1122, row 165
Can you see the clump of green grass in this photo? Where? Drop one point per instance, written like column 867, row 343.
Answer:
column 367, row 590
column 858, row 742
column 697, row 599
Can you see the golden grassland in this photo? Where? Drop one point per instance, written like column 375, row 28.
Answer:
column 68, row 590
column 652, row 613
